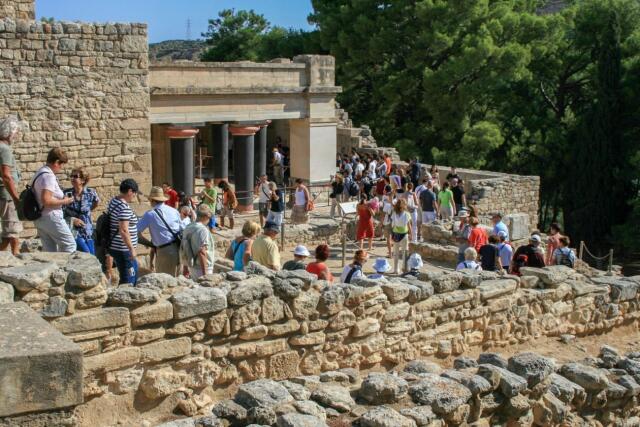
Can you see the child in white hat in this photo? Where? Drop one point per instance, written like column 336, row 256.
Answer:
column 381, row 266
column 300, row 254
column 414, row 264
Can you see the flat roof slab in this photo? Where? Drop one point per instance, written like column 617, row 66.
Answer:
column 40, row 369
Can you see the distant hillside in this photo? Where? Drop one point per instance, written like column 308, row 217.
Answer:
column 171, row 50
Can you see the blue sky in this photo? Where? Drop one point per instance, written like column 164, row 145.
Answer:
column 167, row 19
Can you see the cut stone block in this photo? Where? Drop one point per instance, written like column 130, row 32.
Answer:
column 518, row 225
column 40, row 369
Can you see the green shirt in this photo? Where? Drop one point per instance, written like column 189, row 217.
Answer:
column 195, row 236
column 7, row 158
column 445, row 197
column 211, row 192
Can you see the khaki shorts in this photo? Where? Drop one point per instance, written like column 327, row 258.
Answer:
column 386, row 229
column 11, row 224
column 226, row 212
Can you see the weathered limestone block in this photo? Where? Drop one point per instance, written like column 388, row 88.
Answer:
column 144, row 336
column 156, row 313
column 509, row 383
column 40, row 369
column 157, row 281
column 56, row 307
column 112, row 360
column 490, row 289
column 245, row 316
column 157, row 383
column 92, row 298
column 84, row 273
column 365, row 327
column 190, row 326
column 192, row 302
column 475, row 383
column 29, row 277
column 6, row 293
column 518, row 224
column 92, row 320
column 591, row 379
column 249, row 290
column 384, row 416
column 272, row 310
column 132, row 296
column 284, row 365
column 299, row 420
column 313, row 338
column 395, row 292
column 379, row 388
column 305, row 305
column 165, row 350
column 532, row 367
column 442, row 394
column 333, row 396
column 397, row 312
column 331, row 300
column 265, row 393
column 284, row 328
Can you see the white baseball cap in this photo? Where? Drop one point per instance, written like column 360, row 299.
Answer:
column 535, row 238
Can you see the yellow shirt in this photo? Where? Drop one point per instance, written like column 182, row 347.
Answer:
column 265, row 251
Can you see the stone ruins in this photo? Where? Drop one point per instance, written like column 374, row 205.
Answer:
column 172, row 340
column 261, row 348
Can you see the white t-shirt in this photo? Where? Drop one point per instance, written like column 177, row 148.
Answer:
column 372, row 169
column 278, row 157
column 387, row 209
column 48, row 181
column 468, row 265
column 356, row 274
column 359, row 168
column 505, row 252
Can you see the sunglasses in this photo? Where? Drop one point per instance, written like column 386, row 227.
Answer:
column 76, row 176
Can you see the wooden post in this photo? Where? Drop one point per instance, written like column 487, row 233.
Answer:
column 344, row 243
column 610, row 267
column 580, row 250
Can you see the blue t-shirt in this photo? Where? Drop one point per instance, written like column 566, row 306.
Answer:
column 501, row 226
column 238, row 249
column 505, row 252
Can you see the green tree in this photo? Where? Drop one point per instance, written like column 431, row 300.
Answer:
column 235, row 36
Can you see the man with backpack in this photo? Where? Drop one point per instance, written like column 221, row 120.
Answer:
column 563, row 255
column 121, row 236
column 197, row 250
column 528, row 255
column 9, row 199
column 165, row 227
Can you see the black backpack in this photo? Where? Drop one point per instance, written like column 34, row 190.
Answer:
column 103, row 230
column 353, row 189
column 29, row 207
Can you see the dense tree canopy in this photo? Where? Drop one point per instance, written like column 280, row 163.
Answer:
column 489, row 84
column 246, row 35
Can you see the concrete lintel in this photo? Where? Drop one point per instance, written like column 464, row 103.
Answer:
column 40, row 369
column 224, row 91
column 245, row 64
column 185, row 118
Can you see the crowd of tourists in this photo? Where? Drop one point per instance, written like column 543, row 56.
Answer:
column 181, row 227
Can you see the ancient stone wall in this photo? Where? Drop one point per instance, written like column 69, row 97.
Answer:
column 82, row 87
column 169, row 334
column 17, row 9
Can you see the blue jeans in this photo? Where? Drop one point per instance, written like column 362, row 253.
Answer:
column 212, row 222
column 85, row 245
column 127, row 267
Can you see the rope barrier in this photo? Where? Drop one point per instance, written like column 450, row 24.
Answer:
column 604, row 263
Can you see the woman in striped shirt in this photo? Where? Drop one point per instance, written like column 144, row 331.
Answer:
column 124, row 231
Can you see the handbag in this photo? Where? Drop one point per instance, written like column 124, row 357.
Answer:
column 176, row 236
column 397, row 237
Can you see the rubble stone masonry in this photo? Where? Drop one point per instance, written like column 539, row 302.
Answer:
column 81, row 87
column 17, row 9
column 169, row 334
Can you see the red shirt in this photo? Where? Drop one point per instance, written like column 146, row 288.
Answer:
column 173, row 197
column 380, row 187
column 478, row 238
column 320, row 267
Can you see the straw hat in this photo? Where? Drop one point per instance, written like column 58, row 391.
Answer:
column 157, row 195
